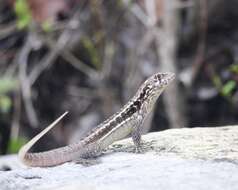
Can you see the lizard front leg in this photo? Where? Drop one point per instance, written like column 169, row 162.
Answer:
column 136, row 135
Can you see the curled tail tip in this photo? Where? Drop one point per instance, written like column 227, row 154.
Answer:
column 22, row 153
column 65, row 113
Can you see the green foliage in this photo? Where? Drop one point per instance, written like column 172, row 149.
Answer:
column 225, row 89
column 5, row 104
column 234, row 68
column 15, row 144
column 228, row 88
column 46, row 26
column 217, row 81
column 24, row 16
column 6, row 85
column 92, row 51
column 23, row 13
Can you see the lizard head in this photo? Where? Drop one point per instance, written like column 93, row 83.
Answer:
column 158, row 82
column 153, row 87
column 161, row 80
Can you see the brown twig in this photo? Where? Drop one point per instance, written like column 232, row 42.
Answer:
column 61, row 43
column 74, row 61
column 22, row 60
column 166, row 41
column 16, row 115
column 78, row 64
column 7, row 30
column 202, row 40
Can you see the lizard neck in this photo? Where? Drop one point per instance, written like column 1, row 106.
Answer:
column 146, row 97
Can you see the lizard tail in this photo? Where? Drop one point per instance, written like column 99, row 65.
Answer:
column 24, row 150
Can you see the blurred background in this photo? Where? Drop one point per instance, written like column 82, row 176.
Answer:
column 90, row 56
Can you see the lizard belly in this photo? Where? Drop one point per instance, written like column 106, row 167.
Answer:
column 119, row 132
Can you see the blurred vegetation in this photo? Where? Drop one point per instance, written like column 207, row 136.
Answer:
column 7, row 85
column 15, row 144
column 23, row 13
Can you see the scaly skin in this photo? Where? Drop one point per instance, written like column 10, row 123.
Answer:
column 125, row 122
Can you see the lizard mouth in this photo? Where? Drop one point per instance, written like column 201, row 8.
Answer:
column 170, row 77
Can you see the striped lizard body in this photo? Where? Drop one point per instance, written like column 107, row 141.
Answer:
column 128, row 121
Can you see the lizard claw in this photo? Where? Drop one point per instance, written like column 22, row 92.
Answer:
column 138, row 150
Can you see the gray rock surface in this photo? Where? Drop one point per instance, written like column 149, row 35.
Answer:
column 198, row 158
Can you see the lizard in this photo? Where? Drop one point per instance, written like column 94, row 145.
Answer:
column 127, row 121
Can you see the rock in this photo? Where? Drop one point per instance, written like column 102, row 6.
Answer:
column 194, row 159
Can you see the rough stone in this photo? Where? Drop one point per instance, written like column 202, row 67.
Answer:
column 194, row 159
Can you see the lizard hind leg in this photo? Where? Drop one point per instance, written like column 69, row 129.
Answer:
column 89, row 155
column 136, row 137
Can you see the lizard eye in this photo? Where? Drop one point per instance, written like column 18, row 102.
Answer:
column 159, row 77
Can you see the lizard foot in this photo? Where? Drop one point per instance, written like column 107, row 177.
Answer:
column 138, row 150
